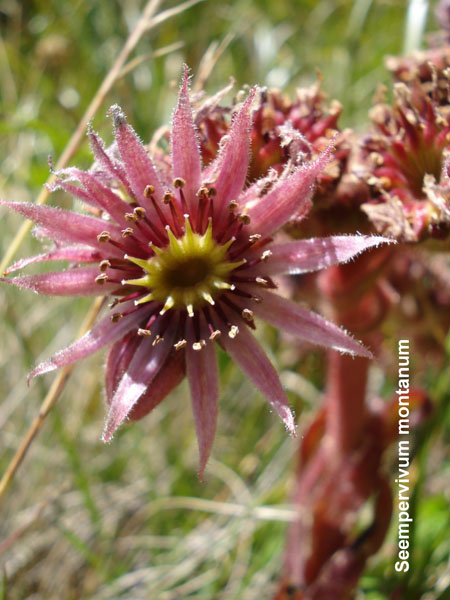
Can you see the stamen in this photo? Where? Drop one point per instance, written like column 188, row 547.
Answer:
column 178, row 182
column 149, row 191
column 233, row 205
column 255, row 237
column 180, row 344
column 101, row 279
column 158, row 339
column 266, row 254
column 197, row 346
column 266, row 282
column 139, row 212
column 247, row 314
column 116, row 317
column 233, row 331
column 127, row 232
column 143, row 332
column 130, row 217
column 190, row 310
column 104, row 236
column 159, row 212
column 215, row 335
column 105, row 264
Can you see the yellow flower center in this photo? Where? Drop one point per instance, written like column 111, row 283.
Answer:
column 190, row 271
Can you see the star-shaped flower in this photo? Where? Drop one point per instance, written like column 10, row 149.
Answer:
column 188, row 260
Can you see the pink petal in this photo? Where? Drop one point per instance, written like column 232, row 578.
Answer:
column 73, row 282
column 250, row 357
column 138, row 165
column 119, row 357
column 318, row 253
column 103, row 333
column 112, row 168
column 288, row 315
column 75, row 254
column 171, row 374
column 68, row 226
column 142, row 369
column 292, row 196
column 96, row 194
column 185, row 146
column 204, row 385
column 234, row 157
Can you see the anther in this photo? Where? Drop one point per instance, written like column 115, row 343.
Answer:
column 244, row 218
column 158, row 339
column 247, row 314
column 116, row 317
column 254, row 237
column 139, row 212
column 203, row 191
column 197, row 346
column 262, row 281
column 143, row 332
column 149, row 190
column 212, row 192
column 256, row 299
column 127, row 232
column 233, row 205
column 168, row 197
column 180, row 344
column 178, row 182
column 104, row 236
column 266, row 254
column 233, row 331
column 190, row 310
column 215, row 334
column 104, row 264
column 130, row 217
column 101, row 279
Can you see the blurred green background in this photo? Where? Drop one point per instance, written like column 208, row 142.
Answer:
column 131, row 520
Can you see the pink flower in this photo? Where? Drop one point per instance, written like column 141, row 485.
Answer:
column 188, row 259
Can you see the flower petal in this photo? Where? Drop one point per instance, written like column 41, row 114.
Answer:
column 203, row 377
column 250, row 357
column 103, row 333
column 170, row 375
column 234, row 158
column 318, row 253
column 67, row 226
column 138, row 164
column 119, row 357
column 294, row 319
column 75, row 254
column 288, row 198
column 73, row 282
column 96, row 194
column 143, row 368
column 185, row 145
column 112, row 168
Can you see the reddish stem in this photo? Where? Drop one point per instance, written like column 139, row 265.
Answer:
column 345, row 400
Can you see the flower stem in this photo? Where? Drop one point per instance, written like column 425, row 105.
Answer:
column 345, row 400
